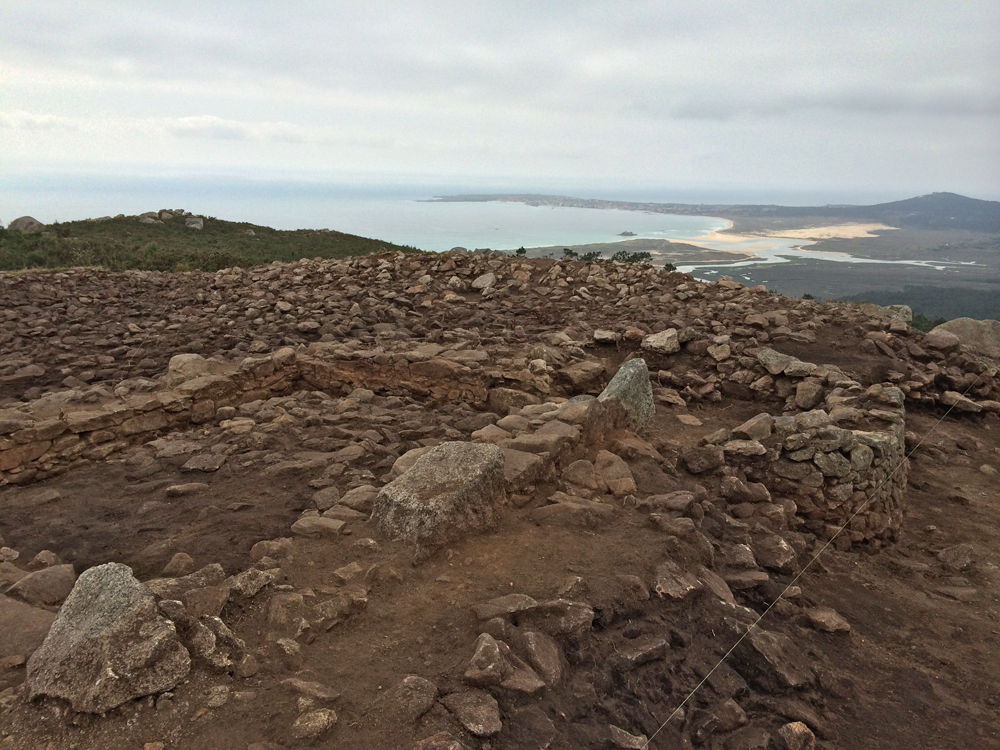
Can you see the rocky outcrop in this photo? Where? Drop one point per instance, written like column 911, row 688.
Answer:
column 981, row 337
column 417, row 330
column 108, row 645
column 27, row 224
column 357, row 371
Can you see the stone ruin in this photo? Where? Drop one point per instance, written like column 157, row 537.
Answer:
column 765, row 495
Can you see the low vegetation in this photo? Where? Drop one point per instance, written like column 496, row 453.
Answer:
column 621, row 256
column 922, row 323
column 124, row 243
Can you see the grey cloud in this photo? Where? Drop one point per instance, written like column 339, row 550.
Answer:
column 472, row 85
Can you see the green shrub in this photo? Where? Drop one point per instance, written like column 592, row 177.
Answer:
column 922, row 323
column 624, row 256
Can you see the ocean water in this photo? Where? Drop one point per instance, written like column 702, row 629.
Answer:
column 404, row 215
column 439, row 226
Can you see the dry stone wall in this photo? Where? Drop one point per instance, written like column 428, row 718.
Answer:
column 841, row 454
column 838, row 454
column 59, row 432
column 67, row 429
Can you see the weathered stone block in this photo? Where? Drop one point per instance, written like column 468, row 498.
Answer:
column 454, row 490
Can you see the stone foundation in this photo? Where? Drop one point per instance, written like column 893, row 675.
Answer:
column 843, row 463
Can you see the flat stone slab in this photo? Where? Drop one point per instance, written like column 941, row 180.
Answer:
column 664, row 342
column 477, row 711
column 317, row 526
column 772, row 661
column 205, row 462
column 454, row 490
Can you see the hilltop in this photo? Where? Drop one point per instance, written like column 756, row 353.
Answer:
column 172, row 240
column 472, row 501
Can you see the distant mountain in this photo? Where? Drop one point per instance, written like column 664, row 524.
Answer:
column 934, row 211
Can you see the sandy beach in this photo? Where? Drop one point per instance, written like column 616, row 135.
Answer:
column 835, row 232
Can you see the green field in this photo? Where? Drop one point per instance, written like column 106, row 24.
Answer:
column 124, row 243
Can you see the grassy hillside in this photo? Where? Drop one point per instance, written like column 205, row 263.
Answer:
column 124, row 243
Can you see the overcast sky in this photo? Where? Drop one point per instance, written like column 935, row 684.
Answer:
column 893, row 97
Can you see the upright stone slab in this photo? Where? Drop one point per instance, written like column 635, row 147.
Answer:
column 630, row 389
column 454, row 490
column 108, row 645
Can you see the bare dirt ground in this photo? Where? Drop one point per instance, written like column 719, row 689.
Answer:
column 917, row 671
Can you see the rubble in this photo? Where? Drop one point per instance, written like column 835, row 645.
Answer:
column 591, row 526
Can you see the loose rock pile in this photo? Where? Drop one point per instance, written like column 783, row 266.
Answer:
column 430, row 401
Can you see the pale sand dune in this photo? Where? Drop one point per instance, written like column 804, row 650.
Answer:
column 836, row 232
column 832, row 232
column 719, row 237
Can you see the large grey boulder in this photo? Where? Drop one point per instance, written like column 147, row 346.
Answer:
column 455, row 489
column 631, row 390
column 26, row 224
column 107, row 645
column 980, row 337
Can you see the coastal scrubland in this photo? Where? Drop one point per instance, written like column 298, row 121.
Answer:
column 124, row 243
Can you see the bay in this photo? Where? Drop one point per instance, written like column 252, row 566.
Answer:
column 405, row 215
